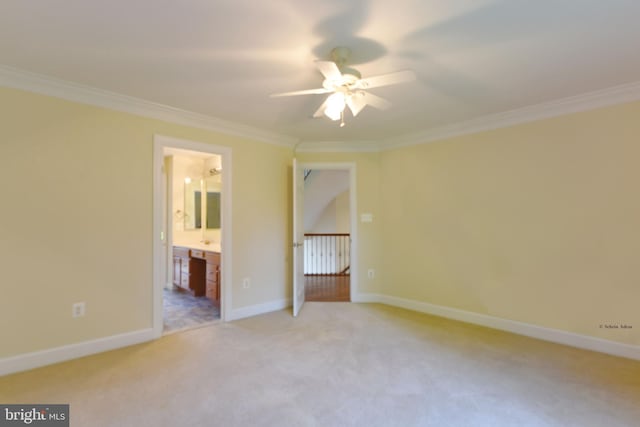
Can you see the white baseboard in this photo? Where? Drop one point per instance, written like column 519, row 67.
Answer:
column 520, row 328
column 254, row 310
column 366, row 297
column 23, row 362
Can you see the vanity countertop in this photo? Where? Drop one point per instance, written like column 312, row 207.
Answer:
column 211, row 247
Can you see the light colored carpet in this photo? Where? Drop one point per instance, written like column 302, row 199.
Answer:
column 339, row 364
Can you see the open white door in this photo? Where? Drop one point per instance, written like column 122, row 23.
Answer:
column 298, row 238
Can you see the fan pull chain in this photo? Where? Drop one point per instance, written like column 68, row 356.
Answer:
column 342, row 119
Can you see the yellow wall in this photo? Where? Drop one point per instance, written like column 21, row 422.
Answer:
column 76, row 220
column 368, row 201
column 538, row 223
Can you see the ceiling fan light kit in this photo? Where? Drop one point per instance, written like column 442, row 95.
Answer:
column 335, row 106
column 346, row 87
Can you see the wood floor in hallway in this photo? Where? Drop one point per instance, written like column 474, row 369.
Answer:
column 327, row 288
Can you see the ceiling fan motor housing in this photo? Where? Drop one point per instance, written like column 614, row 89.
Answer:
column 349, row 77
column 340, row 55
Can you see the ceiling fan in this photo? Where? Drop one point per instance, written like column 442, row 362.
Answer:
column 347, row 87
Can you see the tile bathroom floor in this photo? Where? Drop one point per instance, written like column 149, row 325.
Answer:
column 182, row 310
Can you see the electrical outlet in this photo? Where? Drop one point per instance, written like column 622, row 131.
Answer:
column 78, row 309
column 371, row 273
column 246, row 283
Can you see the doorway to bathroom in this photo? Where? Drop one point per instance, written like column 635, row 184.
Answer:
column 191, row 227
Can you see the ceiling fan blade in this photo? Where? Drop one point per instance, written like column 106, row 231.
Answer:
column 320, row 111
column 318, row 91
column 376, row 101
column 357, row 102
column 386, row 79
column 329, row 70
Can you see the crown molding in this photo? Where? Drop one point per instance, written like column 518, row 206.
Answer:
column 58, row 88
column 337, row 146
column 589, row 101
column 45, row 85
column 574, row 104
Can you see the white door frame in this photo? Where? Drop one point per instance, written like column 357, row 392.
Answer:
column 353, row 215
column 298, row 238
column 160, row 251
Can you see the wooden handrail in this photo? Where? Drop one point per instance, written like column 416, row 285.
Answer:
column 326, row 234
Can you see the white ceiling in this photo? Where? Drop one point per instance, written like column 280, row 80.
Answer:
column 223, row 58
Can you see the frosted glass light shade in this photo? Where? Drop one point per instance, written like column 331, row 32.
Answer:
column 335, row 106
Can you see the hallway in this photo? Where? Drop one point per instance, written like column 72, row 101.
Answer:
column 327, row 288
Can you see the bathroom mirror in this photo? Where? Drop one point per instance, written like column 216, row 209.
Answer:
column 194, row 208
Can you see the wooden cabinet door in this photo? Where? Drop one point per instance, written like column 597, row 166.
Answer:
column 184, row 273
column 218, row 285
column 197, row 276
column 176, row 271
column 213, row 277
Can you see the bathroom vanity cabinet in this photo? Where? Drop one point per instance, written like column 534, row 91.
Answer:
column 198, row 272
